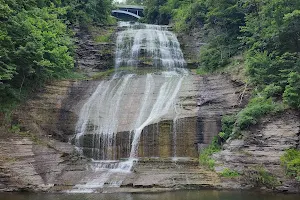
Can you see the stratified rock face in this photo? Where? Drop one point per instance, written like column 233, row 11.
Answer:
column 170, row 139
column 218, row 96
column 119, row 108
column 92, row 56
column 262, row 146
column 54, row 112
column 191, row 45
column 155, row 173
column 27, row 165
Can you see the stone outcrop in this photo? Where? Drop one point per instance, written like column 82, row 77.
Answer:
column 93, row 56
column 153, row 174
column 218, row 96
column 191, row 44
column 261, row 148
column 29, row 165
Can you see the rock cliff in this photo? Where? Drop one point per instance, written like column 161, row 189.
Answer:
column 261, row 148
column 38, row 157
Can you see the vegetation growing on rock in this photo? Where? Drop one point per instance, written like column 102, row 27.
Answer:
column 228, row 173
column 36, row 42
column 291, row 162
column 265, row 33
column 205, row 155
column 260, row 177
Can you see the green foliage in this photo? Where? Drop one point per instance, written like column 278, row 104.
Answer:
column 104, row 37
column 272, row 91
column 154, row 13
column 205, row 155
column 188, row 15
column 213, row 58
column 201, row 71
column 134, row 2
column 227, row 127
column 291, row 162
column 228, row 173
column 36, row 45
column 43, row 45
column 291, row 95
column 257, row 108
column 261, row 177
column 87, row 11
column 272, row 38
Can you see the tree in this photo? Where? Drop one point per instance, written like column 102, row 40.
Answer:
column 153, row 14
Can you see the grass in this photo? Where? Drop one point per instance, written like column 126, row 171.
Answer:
column 202, row 71
column 105, row 37
column 75, row 76
column 111, row 71
column 257, row 108
column 205, row 155
column 228, row 173
column 235, row 68
column 265, row 178
column 261, row 177
column 103, row 74
column 17, row 130
column 127, row 69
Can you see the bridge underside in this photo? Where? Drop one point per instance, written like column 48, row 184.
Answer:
column 125, row 15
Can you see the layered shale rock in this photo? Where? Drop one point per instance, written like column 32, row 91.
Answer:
column 261, row 148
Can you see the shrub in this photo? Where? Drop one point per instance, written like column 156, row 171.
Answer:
column 227, row 127
column 205, row 156
column 291, row 162
column 257, row 108
column 291, row 95
column 261, row 177
column 229, row 173
column 272, row 90
column 212, row 58
column 106, row 37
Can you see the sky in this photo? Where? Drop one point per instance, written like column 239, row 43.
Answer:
column 119, row 1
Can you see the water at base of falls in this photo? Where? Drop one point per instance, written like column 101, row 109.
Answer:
column 112, row 120
column 109, row 173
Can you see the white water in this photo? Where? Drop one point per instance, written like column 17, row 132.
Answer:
column 127, row 104
column 164, row 101
column 141, row 41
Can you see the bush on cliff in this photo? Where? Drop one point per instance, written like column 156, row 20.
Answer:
column 205, row 154
column 291, row 162
column 257, row 108
column 36, row 44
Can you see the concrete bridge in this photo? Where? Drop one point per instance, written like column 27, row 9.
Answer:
column 128, row 12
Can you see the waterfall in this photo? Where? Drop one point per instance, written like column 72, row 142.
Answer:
column 148, row 44
column 111, row 122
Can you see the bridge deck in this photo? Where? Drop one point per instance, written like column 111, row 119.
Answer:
column 126, row 13
column 131, row 7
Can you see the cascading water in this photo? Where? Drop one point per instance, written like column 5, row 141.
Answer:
column 152, row 44
column 128, row 103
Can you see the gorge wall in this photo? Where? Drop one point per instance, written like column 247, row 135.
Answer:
column 39, row 157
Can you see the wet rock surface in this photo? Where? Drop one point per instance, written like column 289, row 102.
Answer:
column 158, row 174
